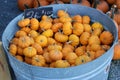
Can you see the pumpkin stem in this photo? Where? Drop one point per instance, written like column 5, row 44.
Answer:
column 96, row 3
column 113, row 9
column 79, row 1
column 70, row 1
column 38, row 3
column 56, row 2
column 26, row 6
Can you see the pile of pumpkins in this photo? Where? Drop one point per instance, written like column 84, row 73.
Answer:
column 59, row 42
column 102, row 5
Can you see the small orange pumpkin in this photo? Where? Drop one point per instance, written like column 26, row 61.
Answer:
column 67, row 28
column 13, row 49
column 38, row 60
column 61, row 64
column 106, row 37
column 24, row 41
column 38, row 48
column 80, row 50
column 20, row 33
column 34, row 24
column 41, row 40
column 20, row 58
column 55, row 55
column 29, row 51
column 24, row 22
column 60, row 37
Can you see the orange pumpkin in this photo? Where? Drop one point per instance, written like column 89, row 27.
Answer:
column 51, row 41
column 67, row 28
column 24, row 41
column 94, row 40
column 106, row 37
column 13, row 49
column 19, row 51
column 56, row 26
column 41, row 40
column 26, row 29
column 82, row 60
column 78, row 28
column 90, row 54
column 29, row 51
column 55, row 55
column 54, row 47
column 84, row 38
column 60, row 37
column 74, row 40
column 47, row 58
column 71, row 57
column 14, row 41
column 38, row 3
column 28, row 60
column 38, row 48
column 61, row 64
column 38, row 60
column 99, row 53
column 22, row 3
column 116, row 55
column 45, row 24
column 33, row 34
column 34, row 24
column 77, row 18
column 48, row 33
column 20, row 33
column 80, row 50
column 86, row 19
column 20, row 58
column 24, row 22
column 87, row 28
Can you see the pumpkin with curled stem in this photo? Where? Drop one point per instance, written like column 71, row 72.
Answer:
column 67, row 28
column 34, row 24
column 78, row 28
column 38, row 60
column 29, row 51
column 13, row 49
column 84, row 38
column 24, row 22
column 55, row 55
column 62, row 64
column 106, row 38
column 60, row 37
column 73, row 40
column 24, row 41
column 41, row 40
column 82, row 60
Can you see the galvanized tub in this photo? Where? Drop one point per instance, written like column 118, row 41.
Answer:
column 95, row 70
